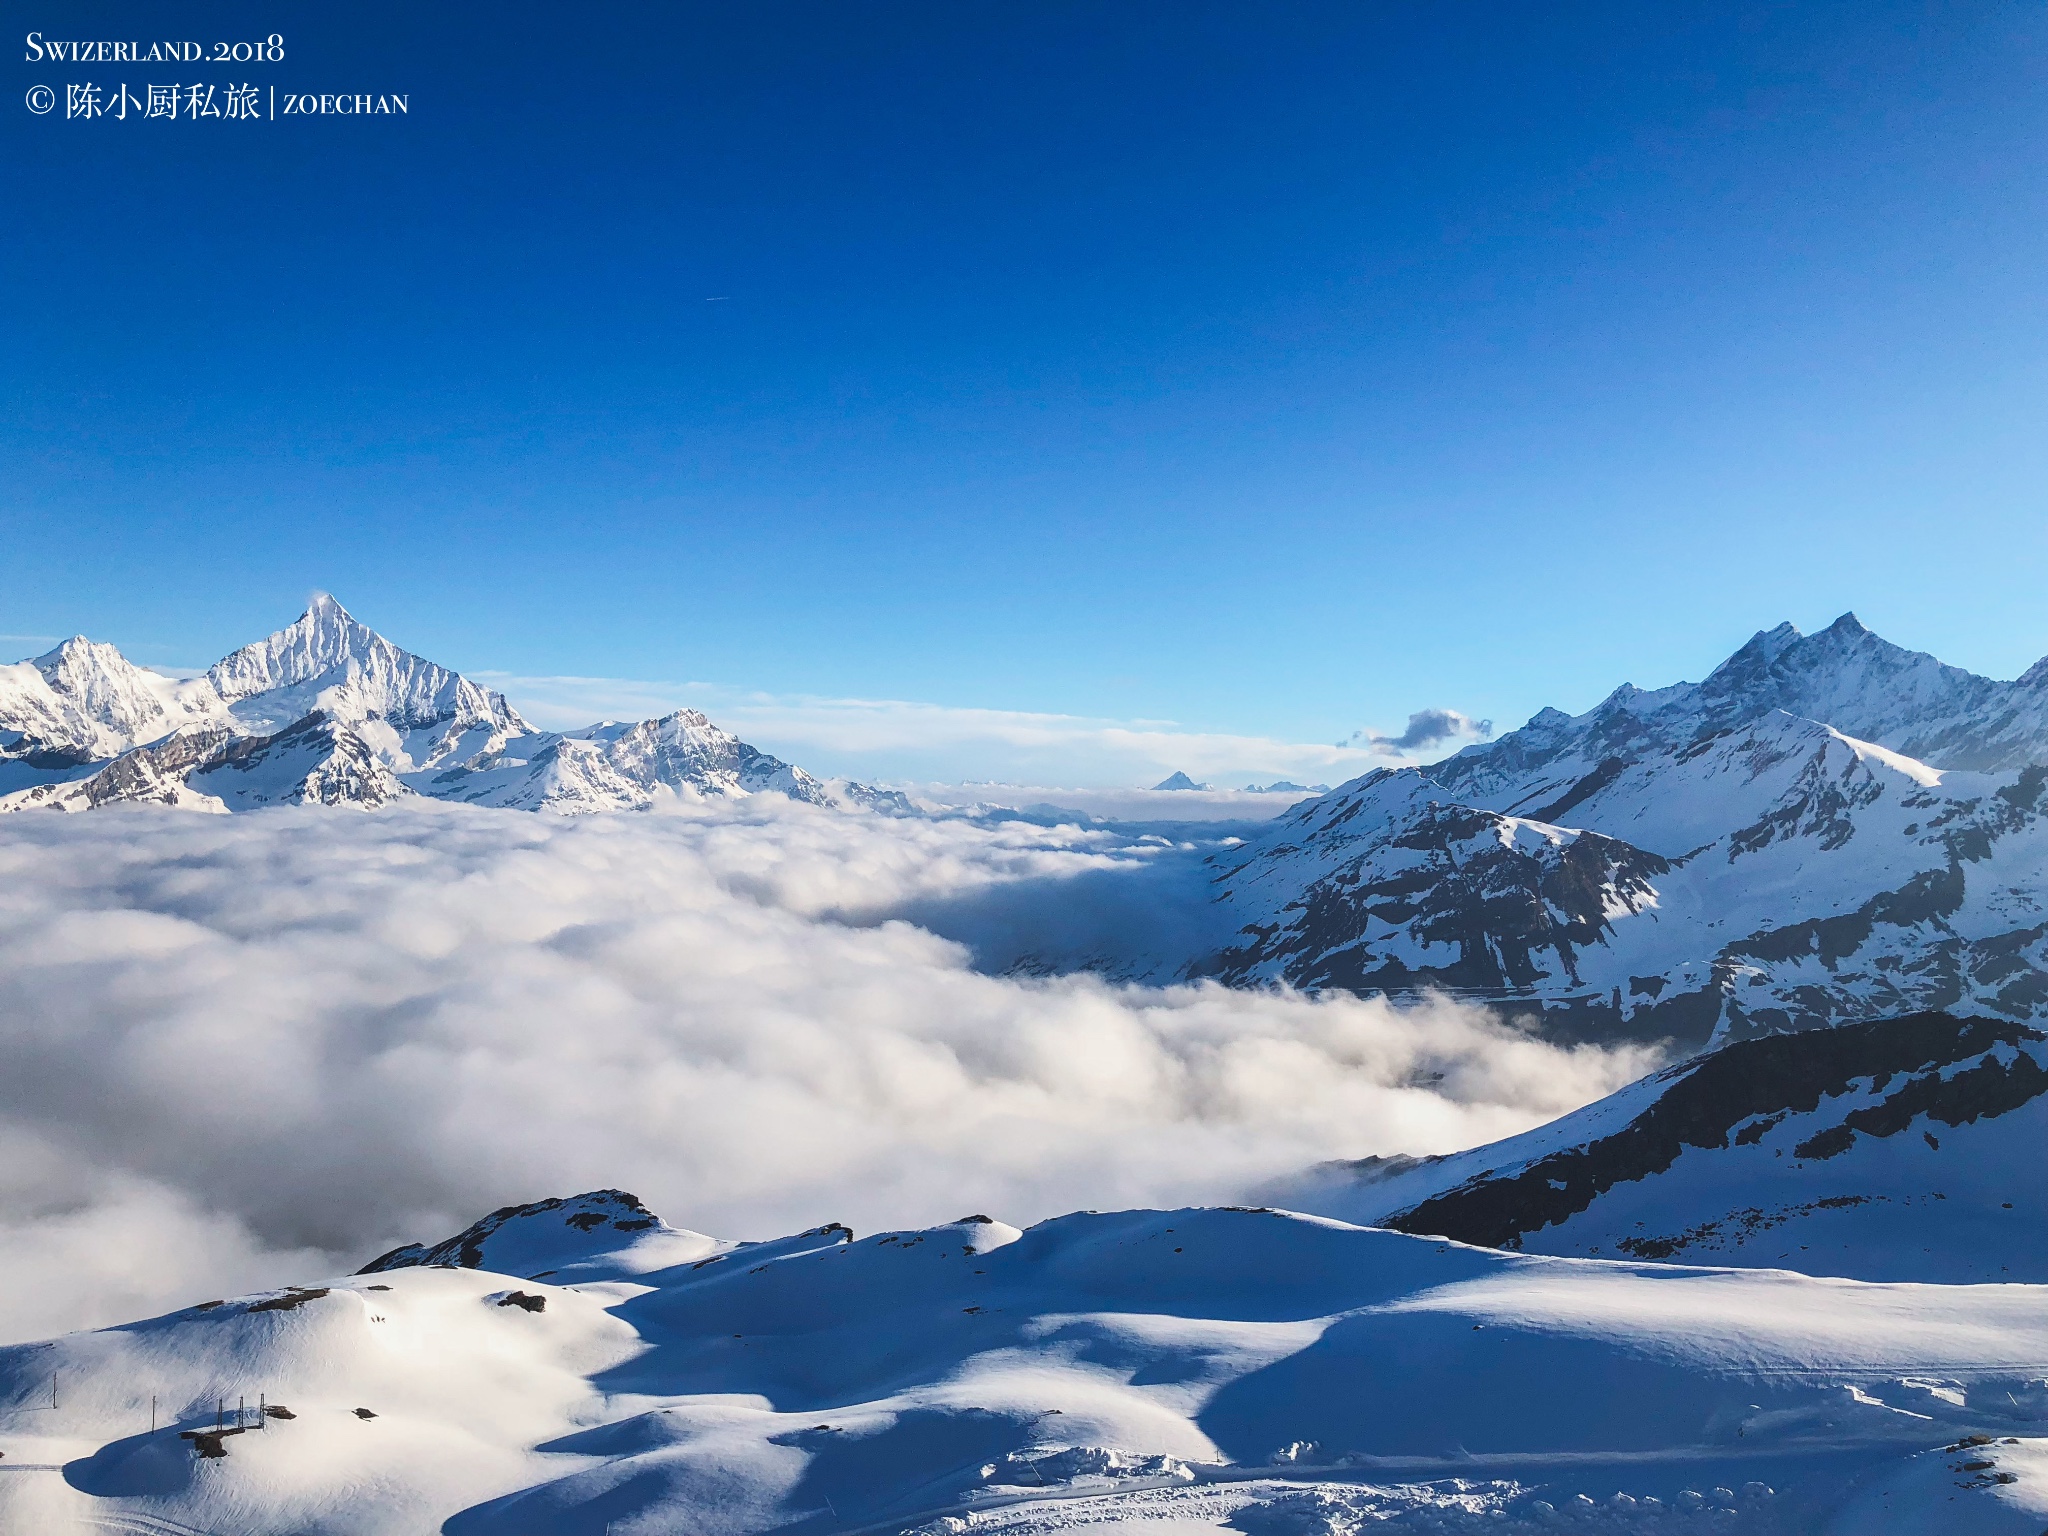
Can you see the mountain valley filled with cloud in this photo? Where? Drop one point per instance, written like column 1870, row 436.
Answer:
column 1144, row 769
column 327, row 951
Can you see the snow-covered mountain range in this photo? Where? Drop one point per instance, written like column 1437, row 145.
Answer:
column 578, row 1365
column 1829, row 827
column 327, row 711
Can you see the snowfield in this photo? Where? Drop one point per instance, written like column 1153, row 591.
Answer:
column 1156, row 1370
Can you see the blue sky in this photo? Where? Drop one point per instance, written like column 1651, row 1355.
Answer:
column 1275, row 371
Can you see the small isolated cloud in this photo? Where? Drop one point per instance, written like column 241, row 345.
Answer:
column 1426, row 728
column 255, row 1049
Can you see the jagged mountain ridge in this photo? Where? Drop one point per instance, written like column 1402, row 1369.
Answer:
column 1696, row 862
column 327, row 711
column 1845, row 676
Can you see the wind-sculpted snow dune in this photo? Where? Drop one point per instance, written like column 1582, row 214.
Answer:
column 1273, row 1373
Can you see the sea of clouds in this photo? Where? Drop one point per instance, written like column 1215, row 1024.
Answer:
column 255, row 1049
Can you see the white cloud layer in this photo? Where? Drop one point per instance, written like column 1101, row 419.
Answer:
column 251, row 1049
column 895, row 740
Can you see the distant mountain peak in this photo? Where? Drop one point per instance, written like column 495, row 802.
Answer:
column 328, row 659
column 324, row 637
column 66, row 649
column 1178, row 780
column 328, row 710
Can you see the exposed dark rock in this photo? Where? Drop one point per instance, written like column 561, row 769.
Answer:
column 1512, row 915
column 294, row 1296
column 1715, row 1100
column 1609, row 770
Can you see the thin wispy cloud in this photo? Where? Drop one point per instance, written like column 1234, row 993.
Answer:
column 902, row 740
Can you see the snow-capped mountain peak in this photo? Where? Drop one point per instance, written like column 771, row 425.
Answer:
column 1864, row 685
column 326, row 636
column 329, row 660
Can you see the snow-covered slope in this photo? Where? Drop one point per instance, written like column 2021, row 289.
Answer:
column 327, row 711
column 1695, row 860
column 1898, row 1149
column 1168, row 1371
